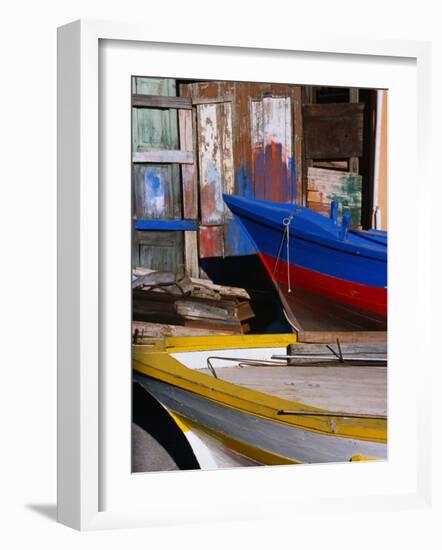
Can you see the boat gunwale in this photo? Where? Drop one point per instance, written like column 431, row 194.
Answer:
column 373, row 251
column 170, row 370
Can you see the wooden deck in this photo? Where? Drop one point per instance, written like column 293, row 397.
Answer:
column 355, row 390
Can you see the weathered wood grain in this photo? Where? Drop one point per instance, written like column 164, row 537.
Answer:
column 191, row 253
column 298, row 141
column 333, row 130
column 161, row 102
column 353, row 347
column 177, row 157
column 204, row 100
column 156, row 191
column 190, row 191
column 355, row 390
column 229, row 291
column 271, row 138
column 241, row 94
column 344, row 337
column 211, row 241
column 193, row 309
column 325, row 186
column 188, row 171
column 158, row 250
column 353, row 162
column 158, row 330
column 215, row 160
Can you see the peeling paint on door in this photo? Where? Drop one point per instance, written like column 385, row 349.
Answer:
column 271, row 138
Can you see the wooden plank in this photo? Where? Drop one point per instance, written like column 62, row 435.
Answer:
column 344, row 337
column 211, row 239
column 190, row 191
column 234, row 327
column 153, row 86
column 225, row 125
column 333, row 130
column 191, row 309
column 157, row 250
column 353, row 162
column 157, row 191
column 158, row 330
column 154, row 129
column 215, row 160
column 176, row 345
column 188, row 171
column 177, row 157
column 223, row 290
column 353, row 348
column 355, row 390
column 206, row 100
column 325, row 185
column 166, row 225
column 306, row 100
column 271, row 138
column 210, row 166
column 298, row 142
column 332, row 164
column 161, row 102
column 191, row 257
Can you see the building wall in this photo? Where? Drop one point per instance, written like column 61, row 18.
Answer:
column 383, row 167
column 247, row 146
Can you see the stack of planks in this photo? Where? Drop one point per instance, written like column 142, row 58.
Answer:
column 174, row 304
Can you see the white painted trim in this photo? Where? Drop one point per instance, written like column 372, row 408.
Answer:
column 78, row 252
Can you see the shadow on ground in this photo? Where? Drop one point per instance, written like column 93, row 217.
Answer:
column 49, row 511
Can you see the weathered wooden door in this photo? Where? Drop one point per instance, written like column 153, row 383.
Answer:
column 159, row 228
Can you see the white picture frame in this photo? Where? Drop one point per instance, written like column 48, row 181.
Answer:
column 86, row 473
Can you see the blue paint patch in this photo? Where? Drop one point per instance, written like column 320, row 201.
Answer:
column 274, row 177
column 155, row 194
column 292, row 169
column 166, row 225
column 237, row 241
column 243, row 183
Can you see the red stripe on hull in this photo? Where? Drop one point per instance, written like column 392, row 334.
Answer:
column 365, row 297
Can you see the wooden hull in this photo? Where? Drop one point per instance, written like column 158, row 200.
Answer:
column 261, row 439
column 250, row 422
column 311, row 254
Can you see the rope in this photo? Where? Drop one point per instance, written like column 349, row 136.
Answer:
column 286, row 235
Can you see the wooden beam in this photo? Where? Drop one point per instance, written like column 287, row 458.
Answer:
column 318, row 336
column 353, row 162
column 166, row 225
column 191, row 253
column 190, row 191
column 188, row 171
column 210, row 100
column 161, row 102
column 298, row 143
column 177, row 157
column 333, row 130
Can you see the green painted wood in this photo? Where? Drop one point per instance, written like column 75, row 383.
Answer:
column 154, row 129
column 156, row 187
column 160, row 250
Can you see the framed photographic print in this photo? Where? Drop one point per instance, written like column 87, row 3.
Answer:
column 226, row 213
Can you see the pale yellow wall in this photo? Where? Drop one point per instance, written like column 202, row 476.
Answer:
column 383, row 165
